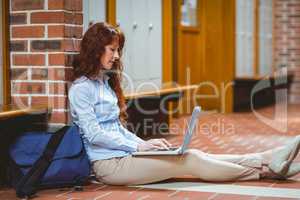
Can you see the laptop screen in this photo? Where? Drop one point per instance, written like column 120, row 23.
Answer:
column 190, row 128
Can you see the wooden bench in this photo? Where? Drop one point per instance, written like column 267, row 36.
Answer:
column 15, row 120
column 140, row 119
column 244, row 86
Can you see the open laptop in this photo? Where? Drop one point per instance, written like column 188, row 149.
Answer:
column 186, row 140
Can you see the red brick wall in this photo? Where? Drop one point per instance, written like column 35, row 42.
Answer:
column 45, row 35
column 287, row 41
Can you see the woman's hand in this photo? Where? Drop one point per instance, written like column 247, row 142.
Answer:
column 154, row 144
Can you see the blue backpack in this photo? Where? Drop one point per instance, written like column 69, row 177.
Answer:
column 47, row 160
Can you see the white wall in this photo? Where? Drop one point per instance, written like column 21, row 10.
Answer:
column 1, row 56
column 141, row 21
column 93, row 11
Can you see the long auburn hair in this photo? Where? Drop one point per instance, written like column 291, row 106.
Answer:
column 87, row 62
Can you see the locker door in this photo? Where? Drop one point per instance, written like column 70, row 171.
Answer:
column 140, row 62
column 141, row 22
column 154, row 28
column 93, row 11
column 124, row 19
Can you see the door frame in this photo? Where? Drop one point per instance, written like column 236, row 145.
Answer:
column 6, row 52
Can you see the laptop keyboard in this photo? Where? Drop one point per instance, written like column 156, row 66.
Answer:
column 170, row 149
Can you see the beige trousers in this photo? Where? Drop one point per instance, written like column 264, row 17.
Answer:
column 131, row 170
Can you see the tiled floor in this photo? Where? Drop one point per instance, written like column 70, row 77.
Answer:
column 216, row 133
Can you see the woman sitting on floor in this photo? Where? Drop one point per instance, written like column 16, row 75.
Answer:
column 98, row 107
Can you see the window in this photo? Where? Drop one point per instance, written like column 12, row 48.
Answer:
column 253, row 38
column 265, row 37
column 189, row 13
column 244, row 37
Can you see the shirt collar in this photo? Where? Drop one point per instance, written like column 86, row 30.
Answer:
column 80, row 79
column 103, row 78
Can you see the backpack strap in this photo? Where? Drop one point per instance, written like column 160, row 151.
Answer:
column 14, row 173
column 27, row 186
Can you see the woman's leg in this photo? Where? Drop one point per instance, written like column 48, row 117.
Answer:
column 279, row 158
column 249, row 160
column 148, row 169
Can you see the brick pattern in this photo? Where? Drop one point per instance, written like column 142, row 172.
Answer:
column 45, row 36
column 287, row 41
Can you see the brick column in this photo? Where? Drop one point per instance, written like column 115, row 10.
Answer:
column 287, row 41
column 45, row 35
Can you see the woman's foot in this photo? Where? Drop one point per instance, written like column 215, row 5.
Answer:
column 294, row 169
column 282, row 158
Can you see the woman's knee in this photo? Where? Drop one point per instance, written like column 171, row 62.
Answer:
column 194, row 153
column 194, row 156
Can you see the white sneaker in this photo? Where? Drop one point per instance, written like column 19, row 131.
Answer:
column 282, row 159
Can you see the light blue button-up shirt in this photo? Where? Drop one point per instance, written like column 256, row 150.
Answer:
column 94, row 109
